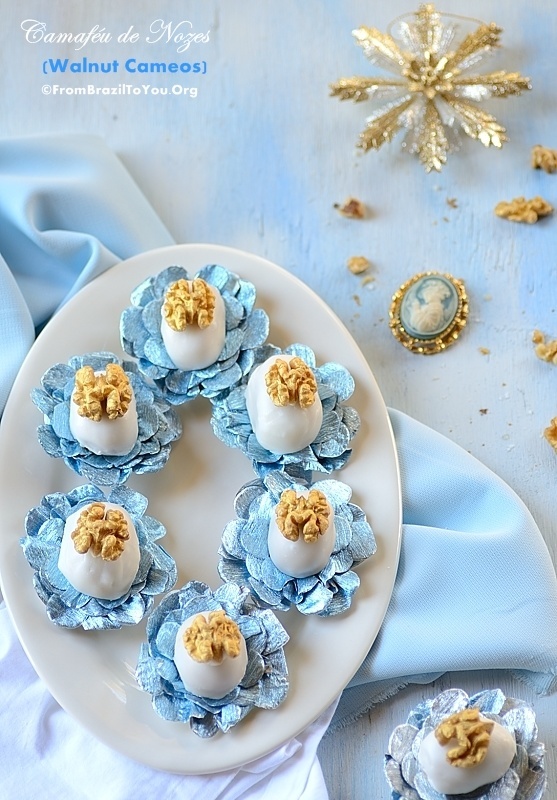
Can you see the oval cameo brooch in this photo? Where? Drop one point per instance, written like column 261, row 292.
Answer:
column 428, row 312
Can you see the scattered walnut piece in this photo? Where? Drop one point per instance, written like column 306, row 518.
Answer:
column 546, row 350
column 109, row 392
column 102, row 531
column 550, row 433
column 358, row 264
column 544, row 158
column 307, row 517
column 351, row 208
column 290, row 383
column 189, row 303
column 472, row 734
column 485, row 351
column 367, row 280
column 521, row 210
column 452, row 202
column 483, row 411
column 209, row 639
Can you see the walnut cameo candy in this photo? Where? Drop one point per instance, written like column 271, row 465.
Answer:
column 99, row 553
column 211, row 657
column 453, row 742
column 301, row 533
column 103, row 414
column 103, row 419
column 466, row 751
column 283, row 404
column 193, row 324
column 96, row 559
column 210, row 654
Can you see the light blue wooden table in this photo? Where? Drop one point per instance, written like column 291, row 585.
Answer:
column 257, row 161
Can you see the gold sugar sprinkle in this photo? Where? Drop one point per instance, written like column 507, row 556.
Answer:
column 544, row 158
column 307, row 517
column 521, row 210
column 108, row 393
column 545, row 349
column 290, row 383
column 209, row 639
column 472, row 734
column 352, row 208
column 188, row 303
column 102, row 531
column 358, row 264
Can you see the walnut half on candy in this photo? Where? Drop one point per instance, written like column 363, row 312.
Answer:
column 101, row 531
column 189, row 303
column 301, row 516
column 209, row 639
column 108, row 393
column 472, row 734
column 291, row 383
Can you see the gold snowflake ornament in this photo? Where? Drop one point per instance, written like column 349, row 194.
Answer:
column 432, row 95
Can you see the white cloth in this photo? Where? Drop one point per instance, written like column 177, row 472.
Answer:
column 46, row 754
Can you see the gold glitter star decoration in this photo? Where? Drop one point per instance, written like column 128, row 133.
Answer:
column 433, row 96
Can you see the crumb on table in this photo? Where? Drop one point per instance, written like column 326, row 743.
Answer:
column 550, row 433
column 358, row 264
column 351, row 208
column 545, row 349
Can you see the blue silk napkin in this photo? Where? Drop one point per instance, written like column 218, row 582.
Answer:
column 68, row 211
column 475, row 588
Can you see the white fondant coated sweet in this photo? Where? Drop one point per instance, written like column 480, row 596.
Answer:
column 280, row 429
column 300, row 558
column 93, row 575
column 208, row 679
column 448, row 779
column 195, row 347
column 107, row 437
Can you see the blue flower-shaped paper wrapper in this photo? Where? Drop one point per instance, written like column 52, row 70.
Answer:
column 330, row 449
column 265, row 682
column 246, row 328
column 245, row 554
column 65, row 606
column 525, row 779
column 159, row 424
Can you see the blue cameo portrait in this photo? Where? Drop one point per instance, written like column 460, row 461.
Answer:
column 429, row 306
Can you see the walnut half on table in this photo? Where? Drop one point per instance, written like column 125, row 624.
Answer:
column 544, row 158
column 522, row 210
